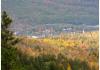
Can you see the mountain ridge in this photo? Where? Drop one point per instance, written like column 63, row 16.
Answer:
column 29, row 13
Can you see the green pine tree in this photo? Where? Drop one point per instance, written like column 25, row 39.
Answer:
column 8, row 52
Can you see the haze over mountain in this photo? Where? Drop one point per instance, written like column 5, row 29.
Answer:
column 27, row 13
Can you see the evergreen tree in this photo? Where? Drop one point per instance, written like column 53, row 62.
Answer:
column 8, row 52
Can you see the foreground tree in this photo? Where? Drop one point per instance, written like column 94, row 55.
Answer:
column 8, row 52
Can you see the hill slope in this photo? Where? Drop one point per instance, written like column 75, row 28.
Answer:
column 28, row 13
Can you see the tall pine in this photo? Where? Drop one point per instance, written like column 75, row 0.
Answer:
column 8, row 52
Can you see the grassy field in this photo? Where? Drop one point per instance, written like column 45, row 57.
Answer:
column 80, row 46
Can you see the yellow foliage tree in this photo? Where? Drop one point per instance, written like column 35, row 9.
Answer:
column 69, row 67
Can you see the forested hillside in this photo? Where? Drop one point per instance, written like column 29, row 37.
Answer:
column 78, row 51
column 27, row 14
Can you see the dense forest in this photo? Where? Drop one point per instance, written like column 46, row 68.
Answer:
column 16, row 55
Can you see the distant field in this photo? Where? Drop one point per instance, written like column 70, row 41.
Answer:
column 82, row 46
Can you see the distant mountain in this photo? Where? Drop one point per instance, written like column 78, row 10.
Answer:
column 28, row 13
